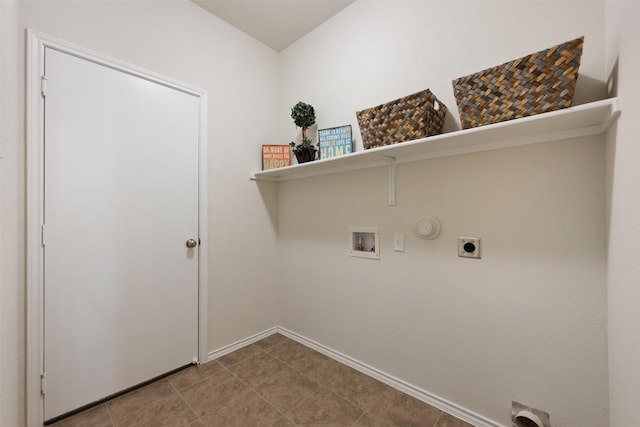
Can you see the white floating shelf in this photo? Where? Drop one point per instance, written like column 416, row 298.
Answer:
column 579, row 121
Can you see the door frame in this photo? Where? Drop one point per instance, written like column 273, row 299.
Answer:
column 36, row 44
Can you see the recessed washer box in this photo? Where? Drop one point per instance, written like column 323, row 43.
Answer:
column 364, row 242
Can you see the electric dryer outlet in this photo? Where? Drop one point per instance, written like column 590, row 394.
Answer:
column 469, row 247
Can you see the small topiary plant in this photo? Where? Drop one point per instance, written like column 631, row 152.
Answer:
column 304, row 116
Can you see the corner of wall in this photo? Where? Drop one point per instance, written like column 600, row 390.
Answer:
column 623, row 156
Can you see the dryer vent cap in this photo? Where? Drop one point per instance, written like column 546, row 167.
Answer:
column 525, row 416
column 528, row 419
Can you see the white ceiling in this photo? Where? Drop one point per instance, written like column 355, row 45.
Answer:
column 276, row 23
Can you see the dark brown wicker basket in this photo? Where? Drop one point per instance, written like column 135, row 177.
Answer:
column 541, row 82
column 405, row 119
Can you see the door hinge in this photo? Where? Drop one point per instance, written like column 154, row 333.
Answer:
column 43, row 86
column 43, row 384
column 43, row 239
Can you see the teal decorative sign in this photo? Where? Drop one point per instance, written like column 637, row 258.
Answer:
column 335, row 142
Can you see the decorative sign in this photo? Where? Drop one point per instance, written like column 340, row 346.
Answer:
column 275, row 156
column 335, row 142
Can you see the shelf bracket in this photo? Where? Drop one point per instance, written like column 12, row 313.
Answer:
column 616, row 108
column 392, row 180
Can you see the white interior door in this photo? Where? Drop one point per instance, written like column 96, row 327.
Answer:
column 120, row 202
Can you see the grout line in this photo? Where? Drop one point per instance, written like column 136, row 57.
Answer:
column 185, row 401
column 401, row 386
column 282, row 414
column 113, row 423
column 345, row 398
column 252, row 388
column 359, row 418
column 249, row 388
column 339, row 396
column 320, row 385
column 267, row 351
column 333, row 377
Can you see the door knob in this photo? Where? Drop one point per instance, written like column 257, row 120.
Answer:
column 191, row 243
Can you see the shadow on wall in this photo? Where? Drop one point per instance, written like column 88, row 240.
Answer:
column 612, row 81
column 612, row 137
column 269, row 193
column 451, row 120
column 588, row 90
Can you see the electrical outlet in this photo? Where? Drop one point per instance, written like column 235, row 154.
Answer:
column 469, row 247
column 398, row 242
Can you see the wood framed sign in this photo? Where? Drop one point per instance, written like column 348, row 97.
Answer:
column 335, row 142
column 275, row 156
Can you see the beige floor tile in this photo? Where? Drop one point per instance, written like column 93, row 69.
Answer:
column 317, row 367
column 286, row 389
column 247, row 408
column 98, row 417
column 324, row 408
column 271, row 340
column 447, row 420
column 194, row 374
column 139, row 398
column 368, row 420
column 399, row 409
column 239, row 355
column 357, row 387
column 275, row 382
column 289, row 351
column 210, row 394
column 170, row 411
column 257, row 369
column 279, row 422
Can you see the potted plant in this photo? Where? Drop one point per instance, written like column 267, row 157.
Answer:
column 303, row 116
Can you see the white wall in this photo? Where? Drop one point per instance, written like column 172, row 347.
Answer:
column 456, row 328
column 11, row 246
column 525, row 323
column 623, row 34
column 376, row 51
column 184, row 42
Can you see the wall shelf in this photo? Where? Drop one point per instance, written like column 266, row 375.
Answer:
column 579, row 121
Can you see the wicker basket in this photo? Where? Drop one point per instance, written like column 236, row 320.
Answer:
column 412, row 117
column 537, row 83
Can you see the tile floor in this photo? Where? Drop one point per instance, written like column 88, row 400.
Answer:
column 273, row 382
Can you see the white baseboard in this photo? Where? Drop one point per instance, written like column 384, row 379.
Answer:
column 403, row 386
column 215, row 354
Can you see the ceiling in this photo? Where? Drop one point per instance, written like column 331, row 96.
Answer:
column 276, row 23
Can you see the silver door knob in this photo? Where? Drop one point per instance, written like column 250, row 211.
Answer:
column 191, row 243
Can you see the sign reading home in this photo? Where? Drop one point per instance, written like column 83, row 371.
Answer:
column 335, row 142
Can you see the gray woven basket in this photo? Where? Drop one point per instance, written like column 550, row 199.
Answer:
column 412, row 117
column 537, row 83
